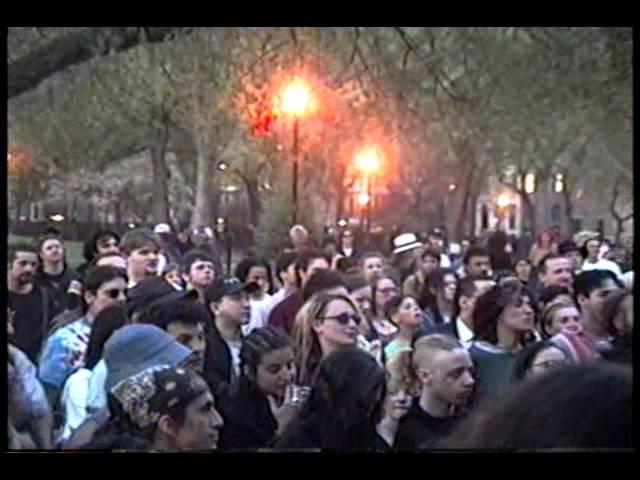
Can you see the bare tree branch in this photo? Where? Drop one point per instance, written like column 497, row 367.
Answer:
column 29, row 71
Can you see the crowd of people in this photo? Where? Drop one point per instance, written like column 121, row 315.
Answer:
column 148, row 346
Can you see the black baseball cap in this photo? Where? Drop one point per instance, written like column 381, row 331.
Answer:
column 228, row 286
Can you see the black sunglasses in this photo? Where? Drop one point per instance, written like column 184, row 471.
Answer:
column 344, row 318
column 114, row 293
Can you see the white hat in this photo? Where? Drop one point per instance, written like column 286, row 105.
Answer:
column 162, row 228
column 405, row 242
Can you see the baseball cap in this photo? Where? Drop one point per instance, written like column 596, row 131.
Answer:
column 134, row 348
column 228, row 286
column 162, row 228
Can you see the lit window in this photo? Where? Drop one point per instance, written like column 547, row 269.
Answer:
column 558, row 183
column 530, row 183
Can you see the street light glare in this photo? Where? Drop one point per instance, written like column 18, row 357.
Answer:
column 368, row 161
column 504, row 200
column 295, row 97
column 363, row 198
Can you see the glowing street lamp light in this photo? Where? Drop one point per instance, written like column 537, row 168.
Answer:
column 452, row 187
column 57, row 218
column 295, row 98
column 295, row 102
column 503, row 200
column 364, row 198
column 222, row 166
column 368, row 161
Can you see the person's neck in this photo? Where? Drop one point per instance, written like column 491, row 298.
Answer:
column 328, row 348
column 433, row 406
column 592, row 327
column 161, row 443
column 53, row 268
column 200, row 290
column 229, row 330
column 593, row 259
column 444, row 307
column 290, row 289
column 508, row 339
column 16, row 287
column 134, row 278
column 90, row 317
column 406, row 333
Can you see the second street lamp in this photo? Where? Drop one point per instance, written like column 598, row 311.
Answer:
column 295, row 101
column 368, row 162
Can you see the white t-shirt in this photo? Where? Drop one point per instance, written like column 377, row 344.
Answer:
column 465, row 333
column 74, row 399
column 97, row 395
column 258, row 319
column 445, row 262
column 603, row 264
column 347, row 252
column 234, row 347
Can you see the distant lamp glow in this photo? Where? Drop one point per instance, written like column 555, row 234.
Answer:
column 503, row 200
column 222, row 166
column 363, row 198
column 57, row 218
column 295, row 98
column 530, row 183
column 368, row 161
column 452, row 187
column 132, row 225
column 220, row 221
column 558, row 184
column 342, row 223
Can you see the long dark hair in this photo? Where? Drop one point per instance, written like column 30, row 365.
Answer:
column 106, row 322
column 346, row 401
column 433, row 282
column 490, row 305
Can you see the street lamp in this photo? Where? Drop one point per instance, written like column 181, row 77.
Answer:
column 295, row 101
column 504, row 202
column 368, row 161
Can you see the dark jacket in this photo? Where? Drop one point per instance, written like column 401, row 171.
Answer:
column 304, row 434
column 449, row 328
column 420, row 431
column 248, row 421
column 58, row 286
column 283, row 316
column 217, row 360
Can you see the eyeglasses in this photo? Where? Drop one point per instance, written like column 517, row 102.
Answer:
column 113, row 293
column 344, row 318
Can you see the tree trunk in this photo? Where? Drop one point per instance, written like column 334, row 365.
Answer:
column 160, row 208
column 203, row 213
column 529, row 211
column 255, row 204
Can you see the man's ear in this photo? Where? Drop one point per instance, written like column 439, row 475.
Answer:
column 582, row 299
column 248, row 373
column 89, row 297
column 168, row 426
column 424, row 375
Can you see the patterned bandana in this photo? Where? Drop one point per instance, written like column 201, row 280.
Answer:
column 157, row 391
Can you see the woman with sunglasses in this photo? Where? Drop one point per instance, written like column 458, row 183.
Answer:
column 330, row 324
column 405, row 313
column 65, row 350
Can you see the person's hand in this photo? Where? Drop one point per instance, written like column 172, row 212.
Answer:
column 290, row 406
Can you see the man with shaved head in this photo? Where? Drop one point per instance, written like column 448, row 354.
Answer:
column 444, row 370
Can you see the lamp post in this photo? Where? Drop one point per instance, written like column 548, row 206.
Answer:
column 295, row 101
column 368, row 162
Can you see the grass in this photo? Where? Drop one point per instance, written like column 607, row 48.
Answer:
column 73, row 249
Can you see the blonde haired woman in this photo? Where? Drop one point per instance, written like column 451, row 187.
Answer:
column 330, row 324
